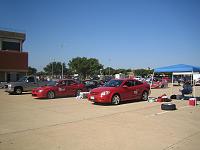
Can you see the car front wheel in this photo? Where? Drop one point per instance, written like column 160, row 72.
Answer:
column 51, row 95
column 145, row 96
column 18, row 90
column 116, row 99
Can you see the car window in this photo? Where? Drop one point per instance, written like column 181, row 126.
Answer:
column 135, row 82
column 52, row 83
column 113, row 83
column 128, row 83
column 63, row 82
column 71, row 82
column 31, row 79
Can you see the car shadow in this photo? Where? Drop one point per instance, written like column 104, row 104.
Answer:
column 64, row 97
column 24, row 93
column 121, row 103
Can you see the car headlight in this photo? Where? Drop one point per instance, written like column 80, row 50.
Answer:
column 40, row 91
column 9, row 85
column 105, row 93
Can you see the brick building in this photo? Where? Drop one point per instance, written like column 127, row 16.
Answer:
column 13, row 61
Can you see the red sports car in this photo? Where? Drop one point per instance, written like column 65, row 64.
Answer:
column 61, row 88
column 118, row 90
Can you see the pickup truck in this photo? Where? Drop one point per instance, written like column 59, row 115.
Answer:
column 24, row 84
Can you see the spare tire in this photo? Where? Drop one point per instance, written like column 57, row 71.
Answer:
column 168, row 106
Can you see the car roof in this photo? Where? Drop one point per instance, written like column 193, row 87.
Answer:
column 65, row 80
column 125, row 79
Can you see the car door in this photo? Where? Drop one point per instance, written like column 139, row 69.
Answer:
column 137, row 89
column 127, row 92
column 61, row 88
column 71, row 87
column 30, row 84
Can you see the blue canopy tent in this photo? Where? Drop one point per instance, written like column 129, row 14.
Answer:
column 180, row 68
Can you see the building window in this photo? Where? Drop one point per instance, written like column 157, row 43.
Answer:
column 10, row 46
column 8, row 77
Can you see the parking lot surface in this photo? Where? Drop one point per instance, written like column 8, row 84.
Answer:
column 67, row 123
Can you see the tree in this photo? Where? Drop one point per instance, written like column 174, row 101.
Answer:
column 85, row 67
column 109, row 71
column 32, row 71
column 143, row 72
column 41, row 73
column 55, row 68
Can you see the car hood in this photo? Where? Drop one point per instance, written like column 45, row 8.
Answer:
column 14, row 83
column 101, row 89
column 45, row 87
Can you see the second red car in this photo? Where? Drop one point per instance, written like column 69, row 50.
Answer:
column 61, row 88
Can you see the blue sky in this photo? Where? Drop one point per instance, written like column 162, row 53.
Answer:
column 120, row 33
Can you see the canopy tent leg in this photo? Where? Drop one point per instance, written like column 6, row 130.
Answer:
column 193, row 87
column 172, row 83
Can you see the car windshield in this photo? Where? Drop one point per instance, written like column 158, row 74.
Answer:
column 52, row 83
column 22, row 79
column 113, row 83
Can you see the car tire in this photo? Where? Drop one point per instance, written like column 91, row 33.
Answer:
column 145, row 96
column 18, row 90
column 116, row 99
column 51, row 95
column 168, row 106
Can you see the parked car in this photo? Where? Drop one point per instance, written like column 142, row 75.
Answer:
column 139, row 78
column 167, row 78
column 91, row 84
column 197, row 81
column 159, row 84
column 3, row 85
column 117, row 90
column 24, row 84
column 60, row 88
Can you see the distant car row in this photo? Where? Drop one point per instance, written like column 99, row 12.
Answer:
column 114, row 91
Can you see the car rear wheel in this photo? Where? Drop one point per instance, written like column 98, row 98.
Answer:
column 145, row 96
column 51, row 95
column 116, row 99
column 18, row 90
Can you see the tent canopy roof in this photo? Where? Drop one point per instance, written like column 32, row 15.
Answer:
column 178, row 68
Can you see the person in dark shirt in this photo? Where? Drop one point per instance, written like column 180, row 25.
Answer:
column 187, row 89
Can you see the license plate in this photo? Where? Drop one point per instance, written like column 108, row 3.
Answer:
column 92, row 97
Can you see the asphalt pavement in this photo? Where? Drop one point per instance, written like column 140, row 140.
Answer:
column 67, row 123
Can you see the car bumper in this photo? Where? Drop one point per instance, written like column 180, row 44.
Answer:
column 99, row 99
column 39, row 95
column 10, row 90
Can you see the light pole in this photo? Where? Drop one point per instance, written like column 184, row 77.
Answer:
column 109, row 66
column 62, row 70
column 100, row 71
column 52, row 68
